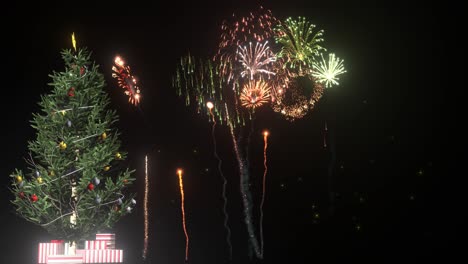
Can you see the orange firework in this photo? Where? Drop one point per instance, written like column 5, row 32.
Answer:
column 179, row 172
column 126, row 80
column 255, row 94
column 265, row 140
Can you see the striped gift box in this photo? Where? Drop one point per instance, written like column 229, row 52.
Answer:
column 109, row 238
column 64, row 259
column 46, row 249
column 103, row 256
column 95, row 244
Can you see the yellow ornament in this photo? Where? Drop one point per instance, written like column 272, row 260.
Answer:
column 118, row 155
column 107, row 168
column 103, row 136
column 63, row 112
column 63, row 145
column 19, row 178
column 51, row 173
column 39, row 180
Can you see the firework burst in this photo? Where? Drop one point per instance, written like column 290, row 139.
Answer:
column 256, row 60
column 299, row 98
column 300, row 42
column 126, row 80
column 255, row 94
column 327, row 73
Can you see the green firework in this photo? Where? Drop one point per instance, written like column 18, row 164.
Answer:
column 301, row 43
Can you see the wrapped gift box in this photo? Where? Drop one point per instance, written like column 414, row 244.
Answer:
column 64, row 259
column 109, row 238
column 96, row 244
column 46, row 249
column 102, row 255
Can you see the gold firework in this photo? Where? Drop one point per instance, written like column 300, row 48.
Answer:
column 255, row 94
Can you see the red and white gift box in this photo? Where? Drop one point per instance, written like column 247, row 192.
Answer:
column 95, row 244
column 109, row 238
column 106, row 236
column 46, row 249
column 102, row 255
column 65, row 259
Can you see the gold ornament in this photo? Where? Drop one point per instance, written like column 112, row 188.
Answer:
column 51, row 173
column 103, row 136
column 107, row 168
column 39, row 180
column 63, row 145
column 19, row 178
column 118, row 155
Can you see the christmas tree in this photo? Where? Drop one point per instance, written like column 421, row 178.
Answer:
column 73, row 186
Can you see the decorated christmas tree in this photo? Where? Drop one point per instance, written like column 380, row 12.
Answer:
column 75, row 185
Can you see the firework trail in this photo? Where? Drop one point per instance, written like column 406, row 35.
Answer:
column 325, row 131
column 145, row 209
column 226, row 216
column 265, row 142
column 181, row 185
column 246, row 195
column 331, row 169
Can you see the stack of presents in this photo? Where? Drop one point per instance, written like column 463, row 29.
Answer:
column 101, row 250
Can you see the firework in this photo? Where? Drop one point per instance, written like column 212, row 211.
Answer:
column 126, row 80
column 255, row 94
column 265, row 146
column 255, row 60
column 210, row 106
column 181, row 185
column 300, row 43
column 300, row 97
column 246, row 73
column 327, row 72
column 256, row 26
column 145, row 209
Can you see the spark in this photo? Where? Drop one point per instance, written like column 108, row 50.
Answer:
column 255, row 60
column 210, row 106
column 255, row 94
column 145, row 209
column 327, row 72
column 181, row 185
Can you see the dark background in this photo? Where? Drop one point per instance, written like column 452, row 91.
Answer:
column 384, row 117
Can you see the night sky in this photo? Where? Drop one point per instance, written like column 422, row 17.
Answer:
column 383, row 117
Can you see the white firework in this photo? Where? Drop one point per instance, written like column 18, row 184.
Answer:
column 327, row 73
column 255, row 60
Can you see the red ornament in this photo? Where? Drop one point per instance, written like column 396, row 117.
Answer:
column 82, row 70
column 21, row 195
column 125, row 181
column 34, row 198
column 71, row 92
column 90, row 186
